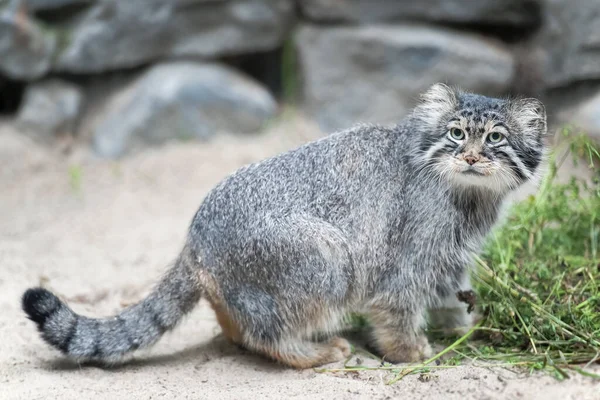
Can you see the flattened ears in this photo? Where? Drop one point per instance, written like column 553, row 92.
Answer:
column 436, row 102
column 530, row 114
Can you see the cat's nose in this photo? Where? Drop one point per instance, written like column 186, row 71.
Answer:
column 471, row 159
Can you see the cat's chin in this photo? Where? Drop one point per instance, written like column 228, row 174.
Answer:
column 473, row 179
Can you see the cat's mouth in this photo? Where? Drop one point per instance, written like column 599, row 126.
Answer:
column 472, row 171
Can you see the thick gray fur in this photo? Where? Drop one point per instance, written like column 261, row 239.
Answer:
column 377, row 220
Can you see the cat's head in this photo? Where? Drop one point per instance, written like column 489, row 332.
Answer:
column 473, row 140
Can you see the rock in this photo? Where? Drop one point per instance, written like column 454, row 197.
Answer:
column 494, row 12
column 585, row 116
column 570, row 36
column 375, row 73
column 50, row 108
column 37, row 5
column 181, row 100
column 26, row 49
column 115, row 34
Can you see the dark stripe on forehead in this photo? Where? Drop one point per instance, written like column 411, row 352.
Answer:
column 491, row 115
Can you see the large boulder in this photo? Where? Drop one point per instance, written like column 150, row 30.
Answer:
column 180, row 100
column 570, row 38
column 37, row 5
column 495, row 12
column 584, row 116
column 113, row 34
column 50, row 108
column 26, row 49
column 374, row 73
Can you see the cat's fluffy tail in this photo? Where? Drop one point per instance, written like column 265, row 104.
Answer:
column 108, row 340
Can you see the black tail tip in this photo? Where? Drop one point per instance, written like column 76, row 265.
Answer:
column 39, row 304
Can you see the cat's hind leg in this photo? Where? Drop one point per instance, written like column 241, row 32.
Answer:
column 285, row 281
column 301, row 354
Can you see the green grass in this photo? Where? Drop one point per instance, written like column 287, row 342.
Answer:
column 538, row 278
column 537, row 281
column 75, row 177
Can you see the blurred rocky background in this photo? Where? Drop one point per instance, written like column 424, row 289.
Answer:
column 119, row 75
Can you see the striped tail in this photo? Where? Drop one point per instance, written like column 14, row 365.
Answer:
column 108, row 340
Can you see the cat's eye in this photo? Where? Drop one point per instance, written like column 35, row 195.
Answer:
column 495, row 137
column 457, row 134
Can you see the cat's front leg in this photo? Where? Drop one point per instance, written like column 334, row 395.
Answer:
column 397, row 333
column 454, row 314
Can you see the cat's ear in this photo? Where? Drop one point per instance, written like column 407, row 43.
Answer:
column 438, row 101
column 530, row 114
column 440, row 95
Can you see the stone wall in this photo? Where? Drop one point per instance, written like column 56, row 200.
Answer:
column 128, row 74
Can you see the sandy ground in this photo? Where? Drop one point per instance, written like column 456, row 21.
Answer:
column 102, row 239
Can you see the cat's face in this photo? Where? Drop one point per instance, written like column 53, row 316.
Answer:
column 474, row 140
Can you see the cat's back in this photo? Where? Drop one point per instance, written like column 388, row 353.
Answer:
column 302, row 175
column 319, row 178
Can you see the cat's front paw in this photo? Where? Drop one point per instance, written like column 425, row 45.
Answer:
column 451, row 322
column 405, row 352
